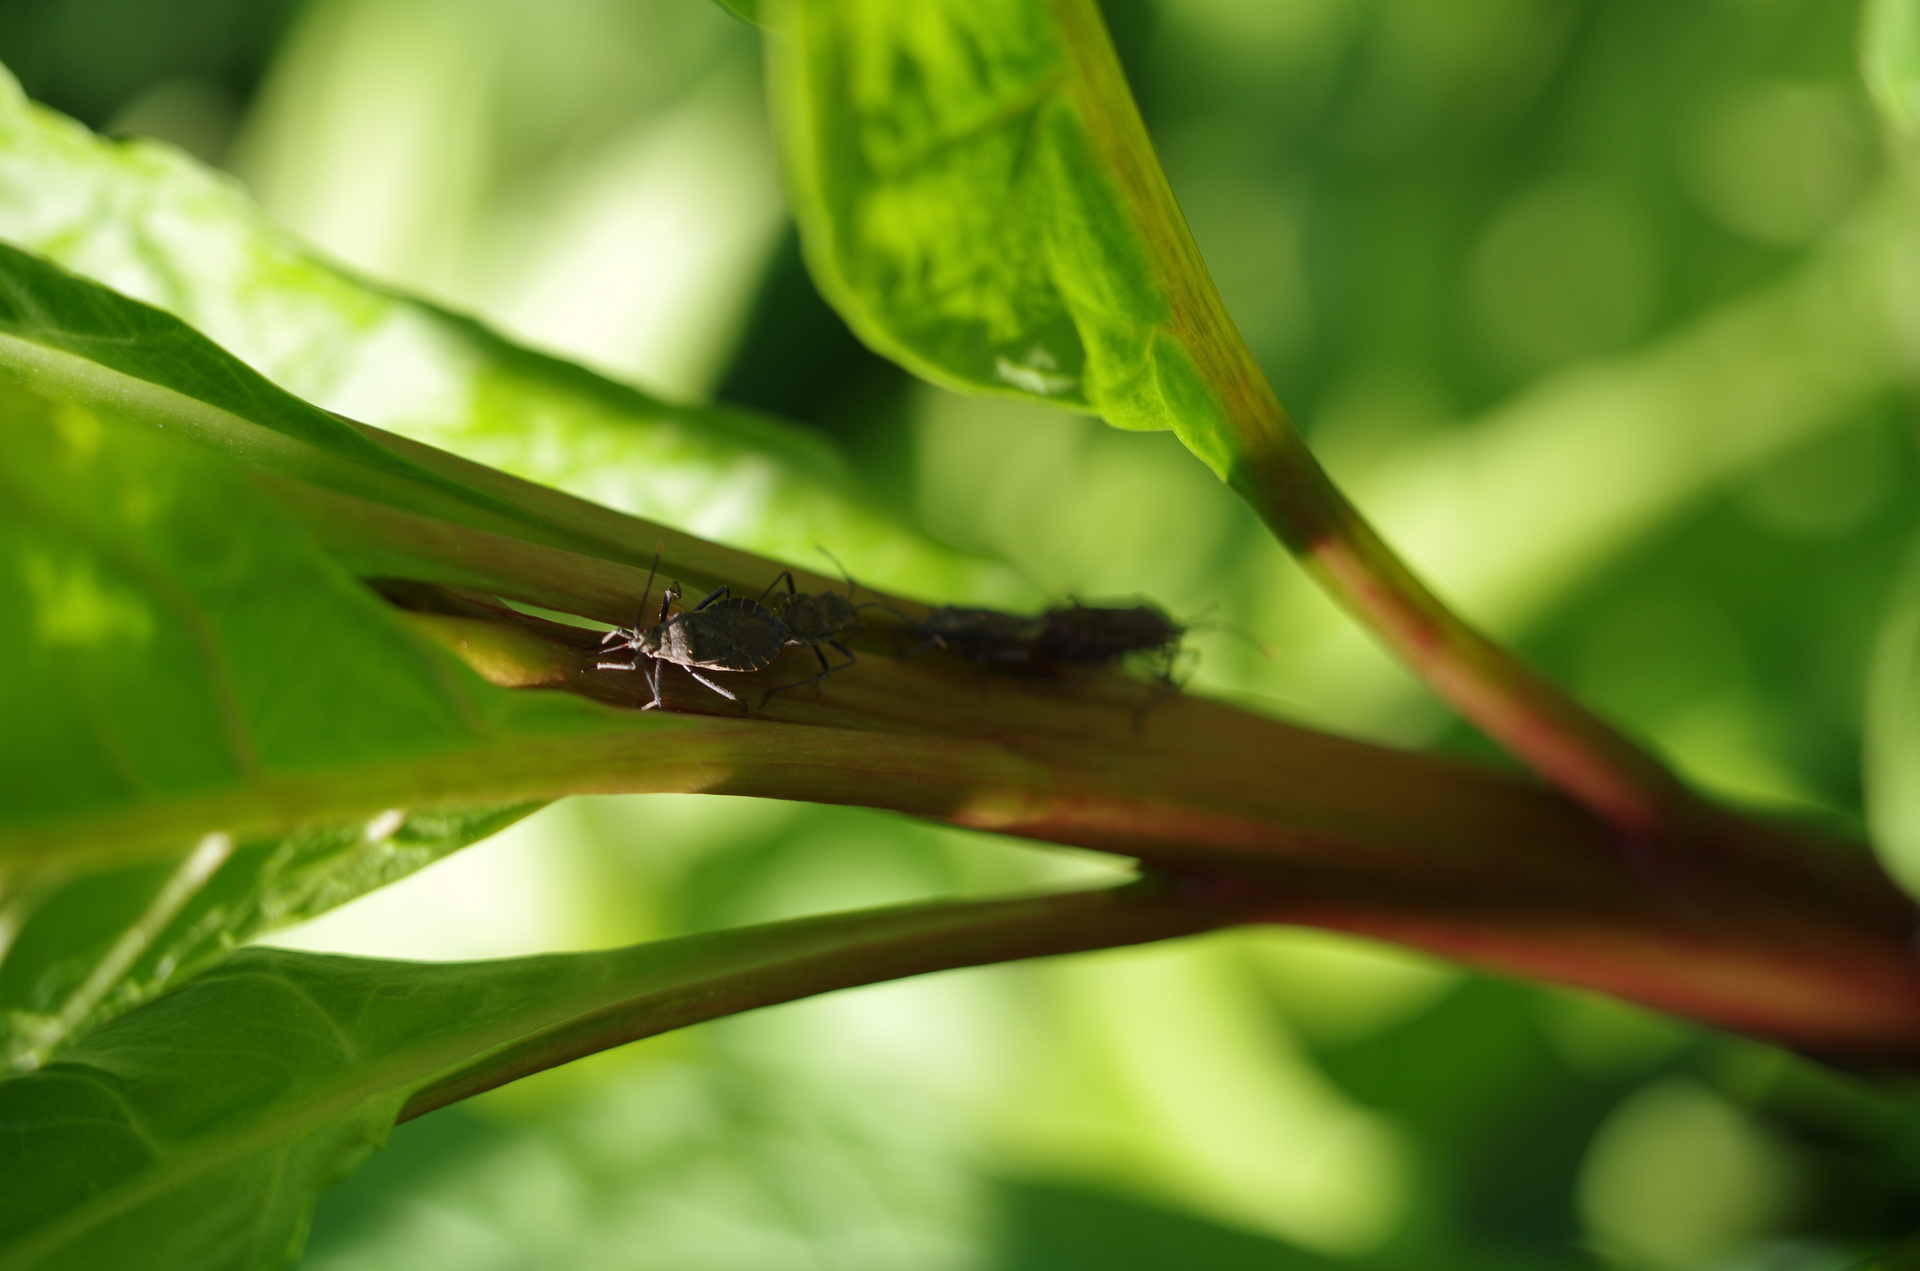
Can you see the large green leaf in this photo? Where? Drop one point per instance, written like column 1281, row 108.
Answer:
column 183, row 653
column 171, row 638
column 91, row 942
column 156, row 225
column 979, row 198
column 195, row 1132
column 1890, row 60
column 79, row 341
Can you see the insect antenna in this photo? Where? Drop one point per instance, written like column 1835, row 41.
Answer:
column 641, row 617
column 646, row 591
column 1263, row 647
column 875, row 604
column 851, row 587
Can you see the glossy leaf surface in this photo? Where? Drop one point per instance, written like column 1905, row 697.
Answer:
column 172, row 637
column 155, row 224
column 196, row 1131
column 1890, row 60
column 981, row 202
column 178, row 638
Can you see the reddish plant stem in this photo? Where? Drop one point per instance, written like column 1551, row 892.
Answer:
column 1256, row 448
column 1533, row 718
column 1736, row 924
column 1740, row 924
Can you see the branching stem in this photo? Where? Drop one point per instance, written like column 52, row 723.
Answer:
column 1737, row 923
column 1256, row 448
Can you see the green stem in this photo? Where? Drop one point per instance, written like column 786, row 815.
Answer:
column 1536, row 720
column 598, row 530
column 1743, row 925
column 1259, row 452
column 1738, row 924
column 1802, row 941
column 786, row 961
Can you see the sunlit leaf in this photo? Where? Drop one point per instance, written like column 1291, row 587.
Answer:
column 180, row 643
column 1890, row 60
column 171, row 638
column 980, row 200
column 155, row 224
column 90, row 941
column 196, row 1131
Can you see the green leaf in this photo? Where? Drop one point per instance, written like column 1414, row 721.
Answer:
column 979, row 198
column 1904, row 1256
column 1891, row 755
column 1890, row 60
column 91, row 943
column 196, row 1131
column 173, row 639
column 154, row 224
column 204, row 705
column 46, row 312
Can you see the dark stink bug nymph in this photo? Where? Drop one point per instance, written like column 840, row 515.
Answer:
column 724, row 632
column 989, row 637
column 1092, row 635
column 815, row 619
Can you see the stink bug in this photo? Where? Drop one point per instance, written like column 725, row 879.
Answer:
column 813, row 620
column 724, row 632
column 1092, row 635
column 986, row 636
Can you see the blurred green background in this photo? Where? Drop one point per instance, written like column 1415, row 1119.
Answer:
column 1585, row 301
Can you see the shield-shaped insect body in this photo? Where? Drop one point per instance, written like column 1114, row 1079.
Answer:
column 722, row 633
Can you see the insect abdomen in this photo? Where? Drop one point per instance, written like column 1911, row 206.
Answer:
column 735, row 634
column 1085, row 635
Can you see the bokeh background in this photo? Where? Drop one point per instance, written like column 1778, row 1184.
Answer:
column 1585, row 301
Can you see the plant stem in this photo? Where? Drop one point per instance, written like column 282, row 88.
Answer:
column 782, row 962
column 1255, row 447
column 1735, row 923
column 1739, row 924
column 1536, row 720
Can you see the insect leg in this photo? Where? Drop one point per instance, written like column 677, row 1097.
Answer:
column 1160, row 692
column 620, row 638
column 785, row 574
column 717, row 593
column 653, row 682
column 715, row 687
column 826, row 669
